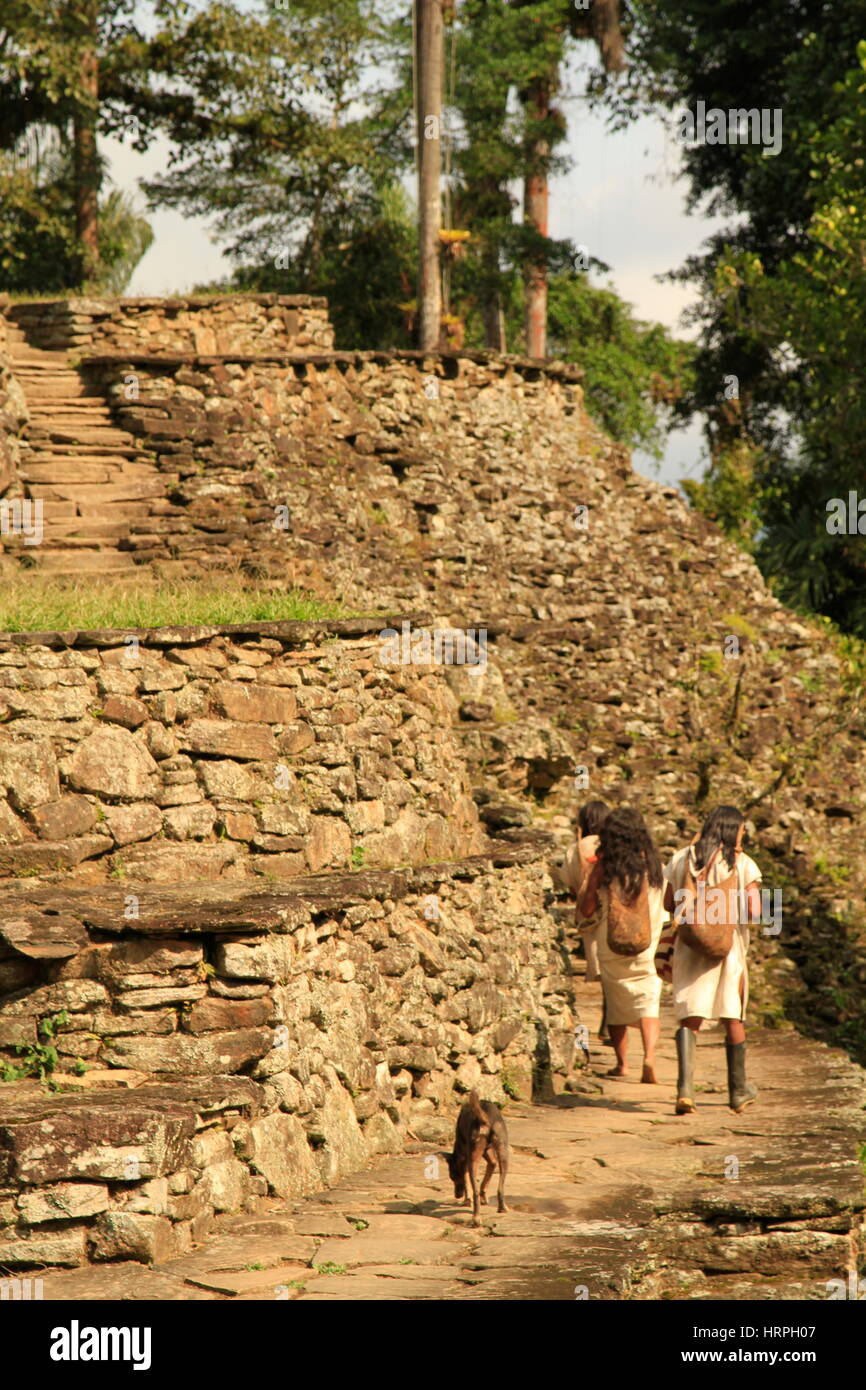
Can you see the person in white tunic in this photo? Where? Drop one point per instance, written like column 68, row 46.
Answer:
column 704, row 988
column 574, row 872
column 632, row 989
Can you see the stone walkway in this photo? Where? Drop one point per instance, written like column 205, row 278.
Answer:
column 611, row 1196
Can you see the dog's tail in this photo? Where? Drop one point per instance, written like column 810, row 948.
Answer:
column 475, row 1107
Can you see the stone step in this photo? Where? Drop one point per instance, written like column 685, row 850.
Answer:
column 94, row 453
column 77, row 471
column 58, row 425
column 95, row 509
column 85, row 527
column 75, row 562
column 100, row 493
column 36, row 392
column 70, row 405
column 52, row 421
column 70, row 435
column 85, row 542
column 45, row 371
column 39, row 381
column 38, row 357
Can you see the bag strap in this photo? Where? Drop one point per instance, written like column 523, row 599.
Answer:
column 703, row 874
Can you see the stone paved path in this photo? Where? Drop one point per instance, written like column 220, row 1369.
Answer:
column 611, row 1196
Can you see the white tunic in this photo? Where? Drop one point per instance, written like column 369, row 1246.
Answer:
column 704, row 988
column 632, row 989
column 572, row 876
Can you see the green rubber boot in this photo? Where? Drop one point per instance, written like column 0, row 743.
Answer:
column 686, row 1044
column 740, row 1094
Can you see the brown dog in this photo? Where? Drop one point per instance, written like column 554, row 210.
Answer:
column 480, row 1130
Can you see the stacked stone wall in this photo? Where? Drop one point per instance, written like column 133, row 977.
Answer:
column 226, row 1045
column 201, row 324
column 169, row 755
column 13, row 408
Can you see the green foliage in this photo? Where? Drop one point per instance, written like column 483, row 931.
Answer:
column 501, row 49
column 782, row 292
column 735, row 622
column 38, row 248
column 814, row 303
column 281, row 137
column 636, row 373
column 366, row 268
column 728, row 493
column 39, row 1059
column 49, row 121
column 509, row 1085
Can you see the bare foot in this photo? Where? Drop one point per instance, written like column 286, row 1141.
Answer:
column 617, row 1071
column 648, row 1075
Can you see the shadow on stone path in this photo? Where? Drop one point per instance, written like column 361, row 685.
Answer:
column 611, row 1196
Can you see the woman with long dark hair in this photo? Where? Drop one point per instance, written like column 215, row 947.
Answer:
column 628, row 867
column 705, row 987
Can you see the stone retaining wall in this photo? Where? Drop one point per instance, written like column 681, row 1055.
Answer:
column 278, row 750
column 244, row 323
column 279, row 467
column 13, row 409
column 268, row 1042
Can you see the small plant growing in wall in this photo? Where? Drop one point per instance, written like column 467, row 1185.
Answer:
column 38, row 1059
column 359, row 854
column 509, row 1085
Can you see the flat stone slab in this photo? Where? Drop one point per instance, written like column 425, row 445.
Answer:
column 252, row 1226
column 443, row 1274
column 376, row 1250
column 235, row 1253
column 327, row 1224
column 127, row 1280
column 266, row 1283
column 193, row 909
column 398, row 1226
column 351, row 1288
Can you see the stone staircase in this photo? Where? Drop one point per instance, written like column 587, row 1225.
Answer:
column 92, row 477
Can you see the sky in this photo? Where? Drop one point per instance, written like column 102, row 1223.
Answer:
column 622, row 198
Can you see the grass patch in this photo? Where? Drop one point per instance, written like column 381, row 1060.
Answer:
column 44, row 605
column 736, row 623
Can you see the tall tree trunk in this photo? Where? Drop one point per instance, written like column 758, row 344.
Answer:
column 535, row 213
column 430, row 64
column 605, row 19
column 86, row 163
column 603, row 24
column 494, row 322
